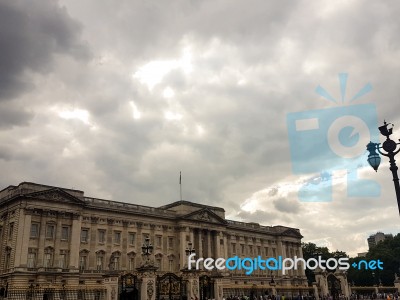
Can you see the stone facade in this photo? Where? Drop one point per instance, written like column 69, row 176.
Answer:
column 52, row 236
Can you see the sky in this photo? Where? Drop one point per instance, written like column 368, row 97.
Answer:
column 115, row 98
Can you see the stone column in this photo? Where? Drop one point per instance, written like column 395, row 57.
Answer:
column 24, row 230
column 301, row 271
column 218, row 289
column 191, row 235
column 344, row 286
column 209, row 254
column 111, row 285
column 148, row 277
column 75, row 242
column 200, row 247
column 192, row 284
column 139, row 243
column 280, row 251
column 56, row 254
column 42, row 239
column 182, row 247
column 315, row 291
column 226, row 246
column 124, row 242
column 217, row 244
column 148, row 288
column 320, row 278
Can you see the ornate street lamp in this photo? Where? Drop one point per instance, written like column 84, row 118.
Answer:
column 189, row 249
column 147, row 248
column 391, row 149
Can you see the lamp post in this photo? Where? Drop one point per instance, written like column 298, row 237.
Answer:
column 147, row 248
column 189, row 250
column 391, row 149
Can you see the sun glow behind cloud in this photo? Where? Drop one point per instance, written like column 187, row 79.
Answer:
column 154, row 71
column 77, row 114
column 171, row 116
column 168, row 92
column 136, row 114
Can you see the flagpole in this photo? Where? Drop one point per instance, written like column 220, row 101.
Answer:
column 180, row 184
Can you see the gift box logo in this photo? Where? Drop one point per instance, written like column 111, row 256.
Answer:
column 335, row 138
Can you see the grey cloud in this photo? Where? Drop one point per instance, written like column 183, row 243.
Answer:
column 287, row 205
column 30, row 34
column 259, row 216
column 11, row 115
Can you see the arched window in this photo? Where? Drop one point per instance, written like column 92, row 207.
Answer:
column 100, row 255
column 83, row 259
column 50, row 230
column 48, row 257
column 158, row 258
column 7, row 258
column 171, row 266
column 31, row 262
column 63, row 259
column 131, row 261
column 115, row 260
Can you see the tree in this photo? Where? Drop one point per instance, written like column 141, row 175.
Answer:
column 310, row 250
column 388, row 252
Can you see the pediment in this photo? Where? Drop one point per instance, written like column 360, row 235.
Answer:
column 292, row 233
column 204, row 215
column 56, row 194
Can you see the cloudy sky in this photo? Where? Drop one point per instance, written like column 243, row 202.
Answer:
column 117, row 97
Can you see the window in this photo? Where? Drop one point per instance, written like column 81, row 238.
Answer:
column 171, row 265
column 251, row 250
column 258, row 250
column 48, row 257
column 158, row 258
column 7, row 258
column 84, row 235
column 114, row 261
column 170, row 242
column 50, row 230
column 102, row 236
column 31, row 263
column 34, row 230
column 131, row 239
column 11, row 231
column 117, row 237
column 65, row 233
column 233, row 248
column 47, row 260
column 158, row 241
column 273, row 252
column 242, row 248
column 131, row 261
column 63, row 259
column 83, row 260
column 100, row 260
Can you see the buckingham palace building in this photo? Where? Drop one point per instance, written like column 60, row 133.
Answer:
column 56, row 238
